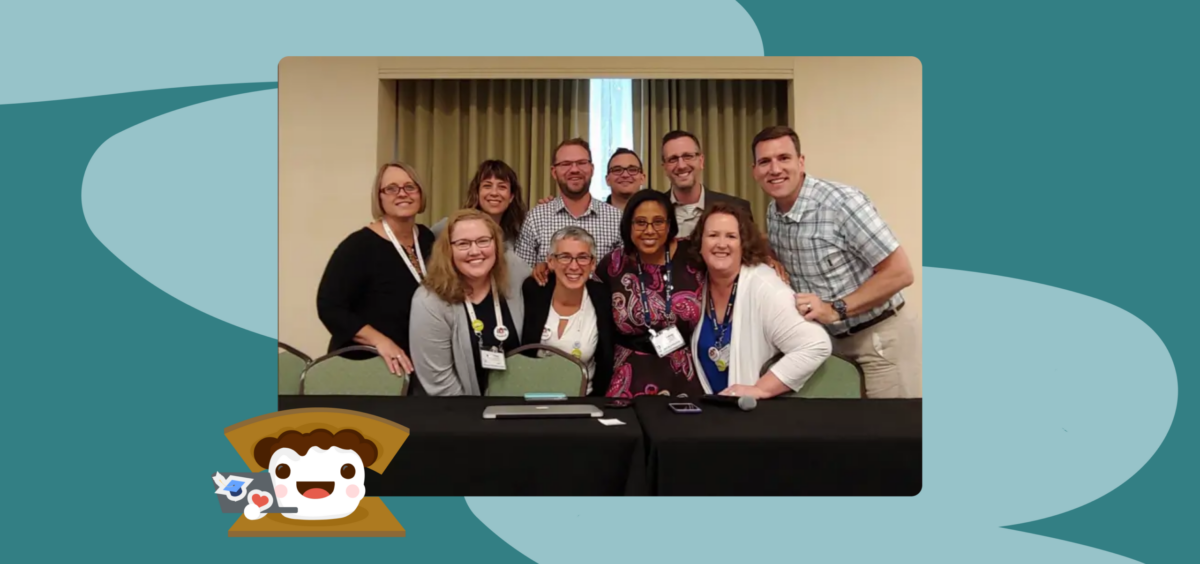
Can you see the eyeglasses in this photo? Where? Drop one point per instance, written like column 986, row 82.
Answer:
column 566, row 165
column 465, row 244
column 566, row 258
column 658, row 223
column 630, row 170
column 687, row 158
column 392, row 189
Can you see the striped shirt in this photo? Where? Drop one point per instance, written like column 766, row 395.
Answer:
column 602, row 221
column 830, row 242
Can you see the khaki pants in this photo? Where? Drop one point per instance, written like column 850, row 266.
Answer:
column 890, row 356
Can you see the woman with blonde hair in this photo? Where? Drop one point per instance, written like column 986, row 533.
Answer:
column 365, row 293
column 469, row 311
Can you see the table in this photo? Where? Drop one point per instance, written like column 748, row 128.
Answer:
column 786, row 446
column 453, row 451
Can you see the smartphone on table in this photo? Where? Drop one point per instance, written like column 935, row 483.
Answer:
column 684, row 407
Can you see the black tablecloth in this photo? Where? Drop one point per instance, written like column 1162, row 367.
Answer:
column 786, row 446
column 453, row 451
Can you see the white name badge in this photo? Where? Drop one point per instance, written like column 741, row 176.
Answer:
column 493, row 360
column 666, row 341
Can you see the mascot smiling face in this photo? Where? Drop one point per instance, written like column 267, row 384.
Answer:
column 319, row 473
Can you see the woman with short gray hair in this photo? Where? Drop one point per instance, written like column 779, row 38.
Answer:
column 572, row 312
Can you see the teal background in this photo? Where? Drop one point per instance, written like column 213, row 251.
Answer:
column 138, row 229
column 1059, row 139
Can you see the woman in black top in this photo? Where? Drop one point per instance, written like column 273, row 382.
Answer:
column 571, row 312
column 366, row 292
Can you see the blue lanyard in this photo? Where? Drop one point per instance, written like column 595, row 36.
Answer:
column 666, row 280
column 720, row 330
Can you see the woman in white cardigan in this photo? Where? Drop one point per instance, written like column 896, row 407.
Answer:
column 749, row 314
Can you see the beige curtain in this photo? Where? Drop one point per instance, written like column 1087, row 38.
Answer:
column 445, row 128
column 724, row 114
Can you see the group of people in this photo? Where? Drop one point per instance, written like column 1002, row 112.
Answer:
column 674, row 293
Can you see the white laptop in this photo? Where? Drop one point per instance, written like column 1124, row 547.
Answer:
column 541, row 411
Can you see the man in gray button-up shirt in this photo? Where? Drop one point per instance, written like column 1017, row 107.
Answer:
column 844, row 262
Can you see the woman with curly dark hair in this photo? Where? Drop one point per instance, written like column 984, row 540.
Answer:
column 496, row 191
column 749, row 315
column 655, row 289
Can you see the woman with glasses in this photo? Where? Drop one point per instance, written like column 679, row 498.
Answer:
column 465, row 316
column 572, row 313
column 749, row 314
column 368, row 285
column 654, row 294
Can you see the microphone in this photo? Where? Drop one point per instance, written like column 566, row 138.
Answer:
column 744, row 403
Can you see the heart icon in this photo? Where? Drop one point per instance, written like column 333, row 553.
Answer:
column 260, row 500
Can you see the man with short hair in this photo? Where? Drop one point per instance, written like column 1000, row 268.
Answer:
column 571, row 167
column 625, row 176
column 845, row 264
column 683, row 162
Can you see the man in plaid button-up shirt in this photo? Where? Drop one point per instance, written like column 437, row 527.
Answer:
column 574, row 206
column 844, row 262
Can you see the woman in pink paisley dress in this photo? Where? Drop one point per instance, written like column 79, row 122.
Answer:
column 652, row 265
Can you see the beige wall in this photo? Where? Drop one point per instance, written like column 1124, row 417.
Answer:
column 859, row 121
column 328, row 147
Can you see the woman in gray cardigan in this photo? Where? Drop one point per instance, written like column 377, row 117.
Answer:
column 455, row 334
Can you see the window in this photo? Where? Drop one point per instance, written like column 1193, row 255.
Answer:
column 610, row 126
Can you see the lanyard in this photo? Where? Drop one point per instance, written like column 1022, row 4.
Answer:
column 666, row 280
column 404, row 255
column 720, row 329
column 501, row 332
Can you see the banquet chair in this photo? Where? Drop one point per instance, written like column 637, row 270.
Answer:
column 527, row 372
column 836, row 378
column 335, row 375
column 292, row 364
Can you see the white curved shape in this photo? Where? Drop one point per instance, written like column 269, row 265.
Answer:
column 188, row 200
column 1051, row 398
column 758, row 530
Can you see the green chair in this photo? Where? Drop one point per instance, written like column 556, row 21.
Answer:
column 292, row 364
column 556, row 373
column 836, row 378
column 334, row 375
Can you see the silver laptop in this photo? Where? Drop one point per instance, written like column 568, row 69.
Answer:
column 541, row 411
